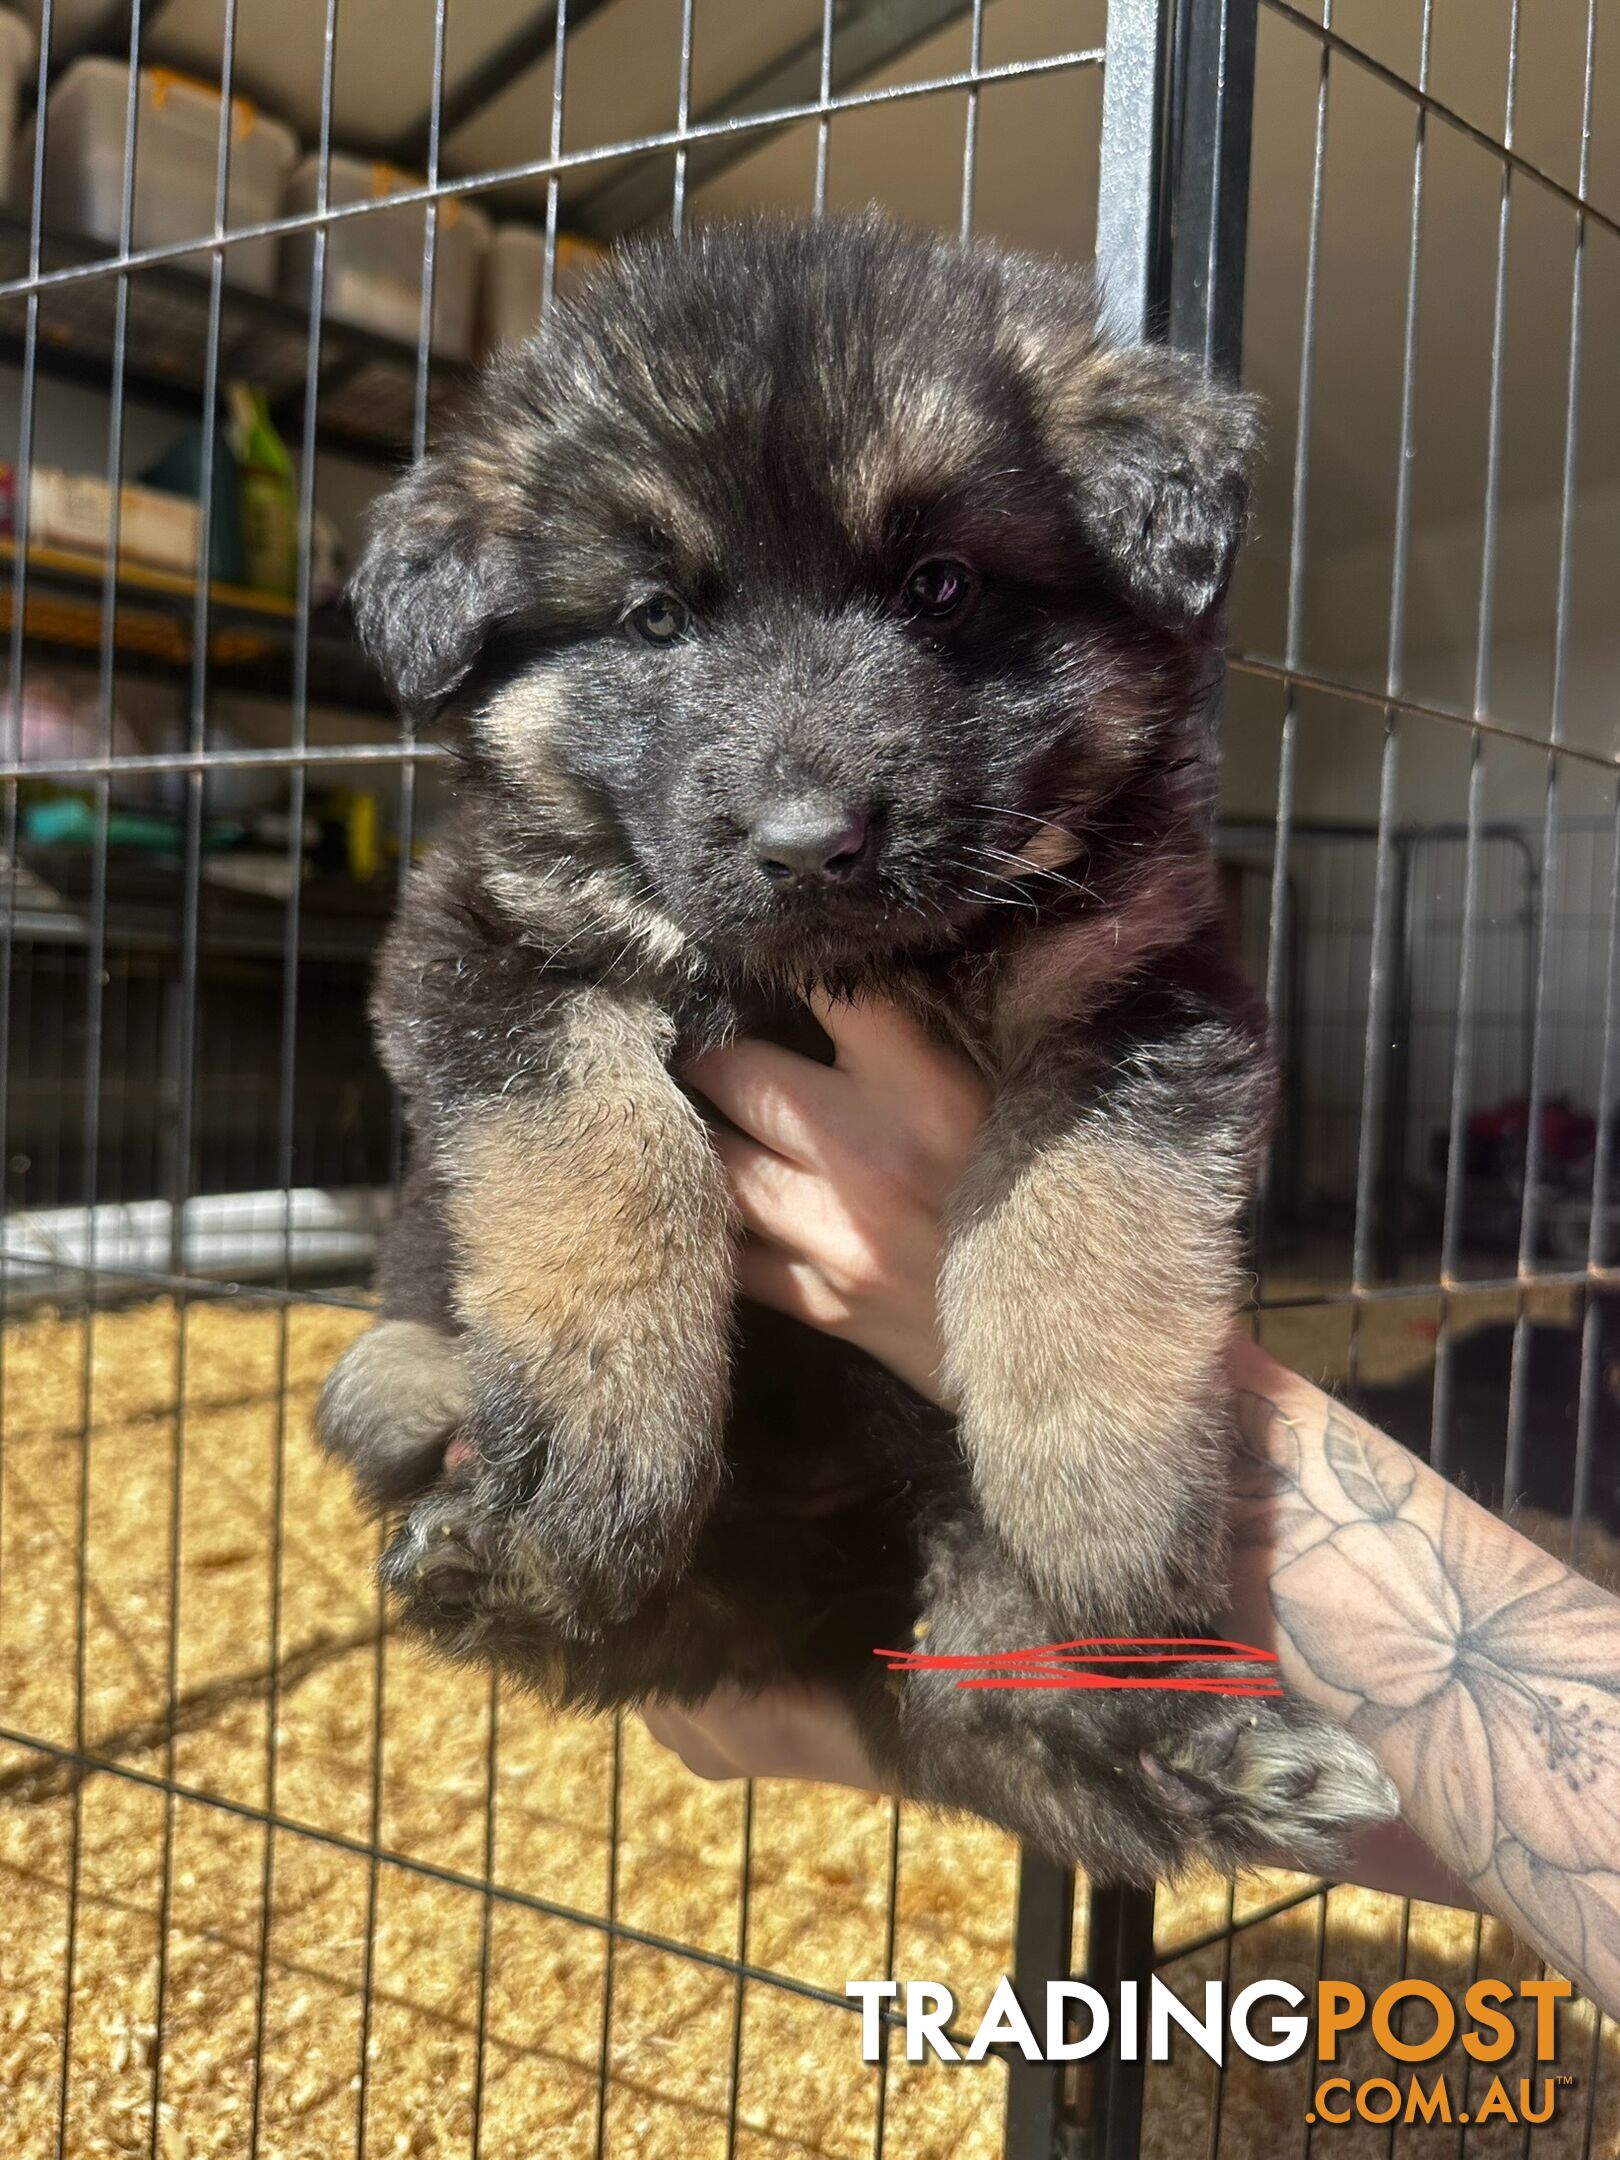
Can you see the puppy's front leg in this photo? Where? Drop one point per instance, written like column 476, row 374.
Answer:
column 1089, row 1279
column 594, row 1279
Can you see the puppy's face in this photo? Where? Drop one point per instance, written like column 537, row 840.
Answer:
column 819, row 584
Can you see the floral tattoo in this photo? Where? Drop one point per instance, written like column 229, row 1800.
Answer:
column 1483, row 1674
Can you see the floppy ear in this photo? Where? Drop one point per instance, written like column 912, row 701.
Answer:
column 436, row 576
column 1162, row 461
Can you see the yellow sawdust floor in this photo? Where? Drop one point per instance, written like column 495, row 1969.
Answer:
column 273, row 2020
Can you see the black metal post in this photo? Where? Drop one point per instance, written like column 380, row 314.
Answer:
column 1039, row 2127
column 1173, row 194
column 1119, row 1947
column 1172, row 217
column 1212, row 110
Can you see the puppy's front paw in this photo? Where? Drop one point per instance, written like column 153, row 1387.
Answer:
column 444, row 1562
column 607, row 1536
column 1261, row 1781
column 601, row 1509
column 465, row 1558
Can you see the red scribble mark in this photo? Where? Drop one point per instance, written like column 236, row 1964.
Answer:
column 1067, row 1664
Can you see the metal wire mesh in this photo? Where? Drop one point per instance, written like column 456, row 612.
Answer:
column 1427, row 959
column 167, row 1044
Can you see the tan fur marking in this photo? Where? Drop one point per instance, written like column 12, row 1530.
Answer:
column 929, row 435
column 519, row 725
column 588, row 900
column 520, row 728
column 1078, row 379
column 1061, row 974
column 1050, row 848
column 1085, row 1297
column 594, row 1229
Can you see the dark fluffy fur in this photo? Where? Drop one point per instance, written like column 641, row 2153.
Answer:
column 647, row 1489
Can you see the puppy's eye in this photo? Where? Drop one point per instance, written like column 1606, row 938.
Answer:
column 938, row 590
column 662, row 620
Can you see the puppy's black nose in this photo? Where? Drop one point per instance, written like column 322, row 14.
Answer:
column 810, row 836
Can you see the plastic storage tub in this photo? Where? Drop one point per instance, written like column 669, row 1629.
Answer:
column 176, row 153
column 75, row 511
column 74, row 24
column 16, row 56
column 514, row 276
column 374, row 261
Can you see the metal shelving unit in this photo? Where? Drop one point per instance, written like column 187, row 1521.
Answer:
column 365, row 391
column 251, row 635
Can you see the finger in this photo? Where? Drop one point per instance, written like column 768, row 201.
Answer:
column 796, row 1732
column 777, row 1097
column 682, row 1737
column 667, row 1725
column 775, row 1196
column 772, row 1276
column 784, row 1731
column 872, row 1034
column 921, row 1087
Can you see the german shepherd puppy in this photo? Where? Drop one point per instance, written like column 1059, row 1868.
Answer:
column 829, row 605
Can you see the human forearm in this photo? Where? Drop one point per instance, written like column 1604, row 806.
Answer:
column 1484, row 1675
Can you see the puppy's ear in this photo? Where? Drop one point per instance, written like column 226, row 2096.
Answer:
column 437, row 574
column 1162, row 461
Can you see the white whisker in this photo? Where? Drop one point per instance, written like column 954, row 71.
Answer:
column 1034, row 870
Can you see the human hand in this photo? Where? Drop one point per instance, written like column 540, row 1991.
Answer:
column 842, row 1173
column 790, row 1732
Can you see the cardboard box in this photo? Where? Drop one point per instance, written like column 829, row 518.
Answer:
column 74, row 511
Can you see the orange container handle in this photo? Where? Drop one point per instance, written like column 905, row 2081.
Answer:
column 163, row 81
column 389, row 179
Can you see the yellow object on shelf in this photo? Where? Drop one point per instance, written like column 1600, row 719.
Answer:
column 362, row 826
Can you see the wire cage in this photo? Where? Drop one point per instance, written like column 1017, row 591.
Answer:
column 278, row 1886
